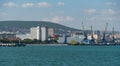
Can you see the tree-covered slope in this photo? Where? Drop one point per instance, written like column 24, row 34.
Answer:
column 26, row 25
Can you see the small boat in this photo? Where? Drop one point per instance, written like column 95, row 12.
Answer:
column 20, row 44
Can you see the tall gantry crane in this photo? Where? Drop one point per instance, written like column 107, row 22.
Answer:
column 92, row 37
column 84, row 33
column 113, row 38
column 104, row 34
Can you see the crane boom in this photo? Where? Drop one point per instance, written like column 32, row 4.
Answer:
column 113, row 31
column 106, row 27
column 82, row 27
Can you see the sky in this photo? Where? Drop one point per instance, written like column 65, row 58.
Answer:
column 70, row 13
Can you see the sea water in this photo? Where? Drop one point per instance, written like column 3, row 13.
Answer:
column 60, row 56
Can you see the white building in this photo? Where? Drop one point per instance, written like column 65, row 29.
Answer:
column 41, row 33
column 50, row 31
column 7, row 35
column 24, row 36
column 44, row 31
column 77, row 37
column 35, row 33
column 94, row 35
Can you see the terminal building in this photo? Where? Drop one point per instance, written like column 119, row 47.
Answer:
column 41, row 33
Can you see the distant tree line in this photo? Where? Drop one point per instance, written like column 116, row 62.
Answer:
column 28, row 41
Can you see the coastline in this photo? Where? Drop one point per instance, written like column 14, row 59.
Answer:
column 71, row 45
column 47, row 44
column 15, row 45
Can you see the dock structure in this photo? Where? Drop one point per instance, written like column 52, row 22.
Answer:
column 11, row 45
column 7, row 44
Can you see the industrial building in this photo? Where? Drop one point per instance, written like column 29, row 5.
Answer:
column 77, row 37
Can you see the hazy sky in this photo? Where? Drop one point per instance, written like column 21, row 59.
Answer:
column 67, row 12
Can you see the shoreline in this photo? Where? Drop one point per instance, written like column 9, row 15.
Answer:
column 70, row 45
column 14, row 45
column 47, row 44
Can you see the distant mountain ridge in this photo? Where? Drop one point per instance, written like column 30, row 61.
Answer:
column 14, row 26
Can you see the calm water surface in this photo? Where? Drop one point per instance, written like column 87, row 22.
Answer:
column 60, row 56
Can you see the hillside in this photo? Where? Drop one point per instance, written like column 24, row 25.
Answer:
column 24, row 26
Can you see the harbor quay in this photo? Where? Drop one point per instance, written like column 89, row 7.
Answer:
column 7, row 44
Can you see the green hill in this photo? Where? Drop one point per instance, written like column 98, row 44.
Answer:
column 24, row 26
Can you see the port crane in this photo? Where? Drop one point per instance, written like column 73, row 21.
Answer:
column 92, row 37
column 113, row 38
column 65, row 41
column 84, row 33
column 104, row 34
